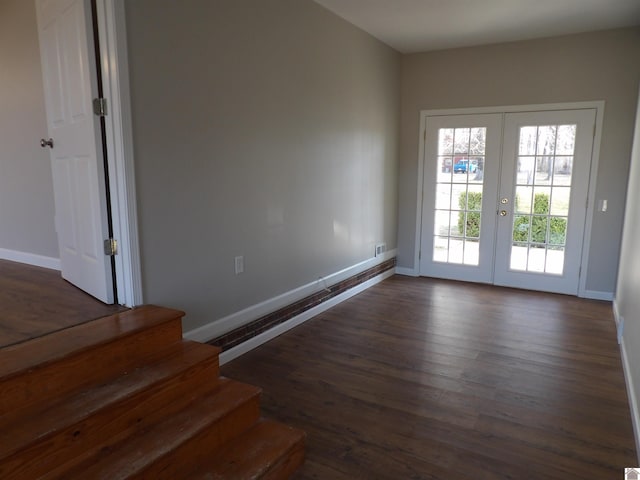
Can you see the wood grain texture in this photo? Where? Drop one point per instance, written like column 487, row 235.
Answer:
column 124, row 397
column 179, row 441
column 36, row 301
column 42, row 440
column 63, row 361
column 268, row 450
column 432, row 379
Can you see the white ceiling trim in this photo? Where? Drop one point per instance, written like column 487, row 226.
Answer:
column 423, row 25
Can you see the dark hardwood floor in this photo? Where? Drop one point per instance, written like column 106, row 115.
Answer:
column 429, row 379
column 35, row 301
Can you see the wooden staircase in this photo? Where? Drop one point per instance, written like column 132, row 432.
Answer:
column 126, row 397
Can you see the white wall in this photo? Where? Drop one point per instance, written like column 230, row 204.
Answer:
column 26, row 186
column 574, row 68
column 628, row 291
column 262, row 129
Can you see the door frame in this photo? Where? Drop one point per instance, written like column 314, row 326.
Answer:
column 119, row 144
column 598, row 105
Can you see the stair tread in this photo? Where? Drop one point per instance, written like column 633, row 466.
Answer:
column 42, row 421
column 267, row 446
column 135, row 453
column 125, row 396
column 49, row 348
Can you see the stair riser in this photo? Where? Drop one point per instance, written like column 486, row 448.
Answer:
column 197, row 448
column 268, row 450
column 93, row 365
column 286, row 467
column 52, row 455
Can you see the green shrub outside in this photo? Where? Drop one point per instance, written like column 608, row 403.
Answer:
column 557, row 226
column 472, row 202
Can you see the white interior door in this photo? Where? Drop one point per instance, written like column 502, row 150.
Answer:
column 505, row 198
column 543, row 199
column 462, row 156
column 70, row 84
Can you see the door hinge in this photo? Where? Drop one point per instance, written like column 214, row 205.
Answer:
column 100, row 107
column 110, row 247
column 419, row 254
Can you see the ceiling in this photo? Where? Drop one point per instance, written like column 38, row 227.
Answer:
column 422, row 25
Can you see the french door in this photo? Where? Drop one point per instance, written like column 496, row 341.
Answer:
column 505, row 198
column 462, row 164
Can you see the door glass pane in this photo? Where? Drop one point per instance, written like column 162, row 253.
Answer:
column 526, row 168
column 566, row 140
column 443, row 196
column 544, row 170
column 442, row 224
column 562, row 169
column 440, row 249
column 444, row 164
column 456, row 250
column 473, row 198
column 461, row 139
column 524, row 199
column 519, row 256
column 459, row 187
column 471, row 252
column 477, row 141
column 445, row 141
column 546, row 140
column 528, row 137
column 542, row 193
column 560, row 201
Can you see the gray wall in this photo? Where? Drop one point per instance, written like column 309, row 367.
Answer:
column 628, row 291
column 263, row 129
column 26, row 187
column 594, row 66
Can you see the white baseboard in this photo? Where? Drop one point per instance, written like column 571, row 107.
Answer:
column 591, row 294
column 410, row 272
column 596, row 295
column 30, row 259
column 633, row 401
column 258, row 340
column 619, row 319
column 226, row 324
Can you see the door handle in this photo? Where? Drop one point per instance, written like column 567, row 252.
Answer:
column 46, row 143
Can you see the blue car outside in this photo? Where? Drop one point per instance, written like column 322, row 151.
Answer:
column 462, row 165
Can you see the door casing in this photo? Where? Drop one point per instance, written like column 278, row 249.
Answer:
column 119, row 144
column 597, row 105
